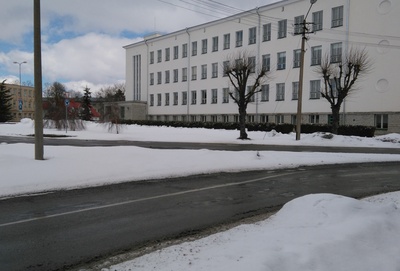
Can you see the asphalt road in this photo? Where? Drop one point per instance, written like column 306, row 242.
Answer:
column 66, row 229
column 194, row 145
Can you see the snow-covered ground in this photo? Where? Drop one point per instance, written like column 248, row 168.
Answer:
column 69, row 167
column 321, row 232
column 315, row 232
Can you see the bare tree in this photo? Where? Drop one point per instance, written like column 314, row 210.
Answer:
column 108, row 99
column 340, row 78
column 239, row 69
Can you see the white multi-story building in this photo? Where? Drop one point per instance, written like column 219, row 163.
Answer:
column 180, row 75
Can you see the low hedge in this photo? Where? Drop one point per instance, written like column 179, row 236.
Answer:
column 285, row 128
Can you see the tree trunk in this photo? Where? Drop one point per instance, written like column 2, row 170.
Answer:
column 242, row 123
column 335, row 119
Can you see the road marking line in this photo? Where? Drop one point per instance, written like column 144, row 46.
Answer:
column 143, row 199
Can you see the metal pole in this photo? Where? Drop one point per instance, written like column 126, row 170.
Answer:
column 300, row 94
column 66, row 118
column 20, row 77
column 38, row 81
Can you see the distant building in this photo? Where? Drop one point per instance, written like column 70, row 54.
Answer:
column 23, row 101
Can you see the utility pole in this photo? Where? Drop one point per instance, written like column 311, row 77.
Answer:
column 38, row 81
column 304, row 31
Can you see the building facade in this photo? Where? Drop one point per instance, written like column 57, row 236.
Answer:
column 180, row 75
column 23, row 101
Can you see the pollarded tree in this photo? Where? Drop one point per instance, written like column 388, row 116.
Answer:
column 5, row 103
column 246, row 80
column 339, row 79
column 86, row 113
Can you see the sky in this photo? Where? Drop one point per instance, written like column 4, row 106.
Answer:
column 82, row 40
column 314, row 232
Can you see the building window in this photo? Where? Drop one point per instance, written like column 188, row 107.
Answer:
column 184, row 50
column 215, row 44
column 194, row 73
column 151, row 99
column 184, row 98
column 204, row 71
column 175, row 98
column 317, row 20
column 184, row 74
column 267, row 32
column 293, row 119
column 382, row 121
column 264, row 118
column 214, row 96
column 315, row 89
column 176, row 75
column 253, row 97
column 159, row 56
column 167, row 54
column 298, row 24
column 266, row 62
column 313, row 119
column 225, row 95
column 194, row 48
column 239, row 38
column 333, row 88
column 159, row 99
column 151, row 79
column 252, row 64
column 336, row 52
column 253, row 35
column 282, row 29
column 214, row 70
column 281, row 61
column 151, row 57
column 296, row 58
column 194, row 96
column 226, row 65
column 316, row 55
column 265, row 93
column 159, row 78
column 227, row 41
column 204, row 46
column 337, row 16
column 167, row 77
column 203, row 96
column 280, row 92
column 176, row 52
column 137, row 77
column 295, row 90
column 279, row 119
column 166, row 98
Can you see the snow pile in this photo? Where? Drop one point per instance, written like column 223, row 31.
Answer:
column 315, row 232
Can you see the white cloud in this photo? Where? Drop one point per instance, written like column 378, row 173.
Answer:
column 93, row 57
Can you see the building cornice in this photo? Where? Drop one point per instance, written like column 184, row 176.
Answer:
column 157, row 36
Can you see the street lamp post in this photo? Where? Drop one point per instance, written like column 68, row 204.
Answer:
column 301, row 73
column 20, row 82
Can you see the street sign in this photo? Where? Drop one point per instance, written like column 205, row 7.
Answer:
column 66, row 102
column 20, row 103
